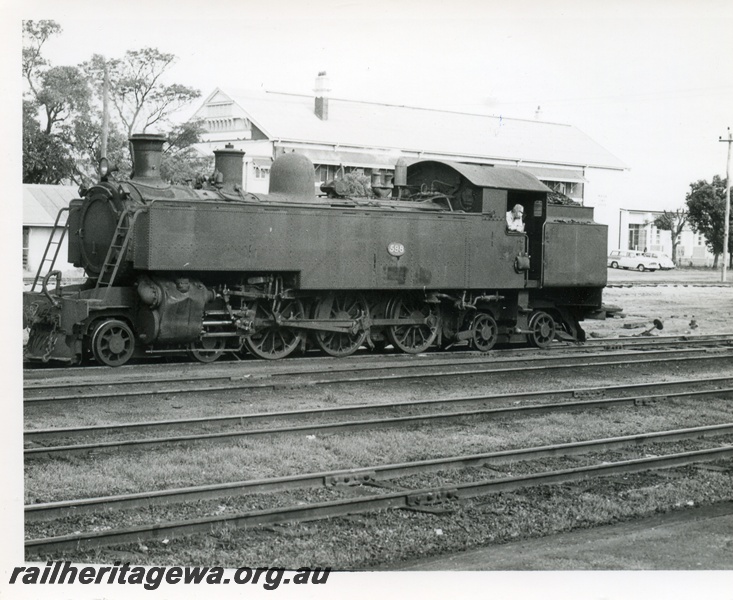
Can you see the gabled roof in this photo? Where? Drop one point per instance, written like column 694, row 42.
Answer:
column 291, row 117
column 41, row 203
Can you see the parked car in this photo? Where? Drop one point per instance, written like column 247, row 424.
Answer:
column 665, row 262
column 632, row 259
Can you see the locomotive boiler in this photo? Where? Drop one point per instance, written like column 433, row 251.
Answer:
column 213, row 269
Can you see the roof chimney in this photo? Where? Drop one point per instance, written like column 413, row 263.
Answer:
column 321, row 91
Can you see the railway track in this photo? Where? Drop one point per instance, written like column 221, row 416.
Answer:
column 409, row 413
column 231, row 379
column 369, row 476
column 35, row 373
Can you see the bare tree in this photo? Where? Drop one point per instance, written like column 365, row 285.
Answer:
column 674, row 222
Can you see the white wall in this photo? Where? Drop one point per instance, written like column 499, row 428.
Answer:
column 604, row 191
column 37, row 241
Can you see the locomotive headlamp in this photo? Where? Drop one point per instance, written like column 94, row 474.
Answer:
column 103, row 168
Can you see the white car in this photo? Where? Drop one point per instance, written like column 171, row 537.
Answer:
column 632, row 259
column 665, row 262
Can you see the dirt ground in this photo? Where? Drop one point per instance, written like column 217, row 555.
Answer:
column 690, row 302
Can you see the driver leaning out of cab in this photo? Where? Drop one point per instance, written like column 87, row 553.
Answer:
column 514, row 218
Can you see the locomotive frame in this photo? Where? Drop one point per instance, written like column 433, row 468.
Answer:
column 216, row 269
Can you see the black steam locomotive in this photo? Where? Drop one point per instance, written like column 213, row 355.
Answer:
column 211, row 268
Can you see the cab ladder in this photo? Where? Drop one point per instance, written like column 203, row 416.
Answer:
column 58, row 233
column 117, row 249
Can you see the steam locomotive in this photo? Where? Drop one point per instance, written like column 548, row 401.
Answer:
column 210, row 269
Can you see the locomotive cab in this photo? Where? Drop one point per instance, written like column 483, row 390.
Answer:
column 492, row 192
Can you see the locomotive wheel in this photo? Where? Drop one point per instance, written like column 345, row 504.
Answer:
column 411, row 338
column 542, row 329
column 272, row 341
column 207, row 350
column 341, row 306
column 113, row 343
column 485, row 332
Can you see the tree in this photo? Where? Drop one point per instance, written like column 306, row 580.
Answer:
column 139, row 97
column 45, row 158
column 35, row 34
column 674, row 222
column 181, row 162
column 706, row 209
column 58, row 126
column 62, row 112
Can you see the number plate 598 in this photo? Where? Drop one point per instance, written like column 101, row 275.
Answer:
column 396, row 249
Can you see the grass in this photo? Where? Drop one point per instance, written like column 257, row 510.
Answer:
column 176, row 466
column 386, row 538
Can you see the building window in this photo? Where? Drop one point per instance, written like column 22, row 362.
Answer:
column 637, row 237
column 26, row 236
column 325, row 173
column 262, row 172
column 656, row 235
column 566, row 188
column 700, row 241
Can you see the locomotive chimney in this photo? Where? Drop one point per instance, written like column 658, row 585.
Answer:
column 229, row 163
column 322, row 91
column 147, row 152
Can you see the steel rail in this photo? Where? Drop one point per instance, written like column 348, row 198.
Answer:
column 33, row 435
column 566, row 362
column 51, row 510
column 473, row 357
column 434, row 359
column 347, row 506
column 340, row 426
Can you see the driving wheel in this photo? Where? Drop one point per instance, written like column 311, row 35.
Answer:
column 342, row 307
column 269, row 339
column 413, row 338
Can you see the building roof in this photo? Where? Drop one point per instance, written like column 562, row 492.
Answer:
column 291, row 117
column 41, row 203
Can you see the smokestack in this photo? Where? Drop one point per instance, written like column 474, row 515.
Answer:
column 321, row 91
column 147, row 152
column 228, row 162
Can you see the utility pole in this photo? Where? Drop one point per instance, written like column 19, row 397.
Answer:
column 105, row 113
column 726, row 236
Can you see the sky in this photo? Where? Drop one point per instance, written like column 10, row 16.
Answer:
column 650, row 81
